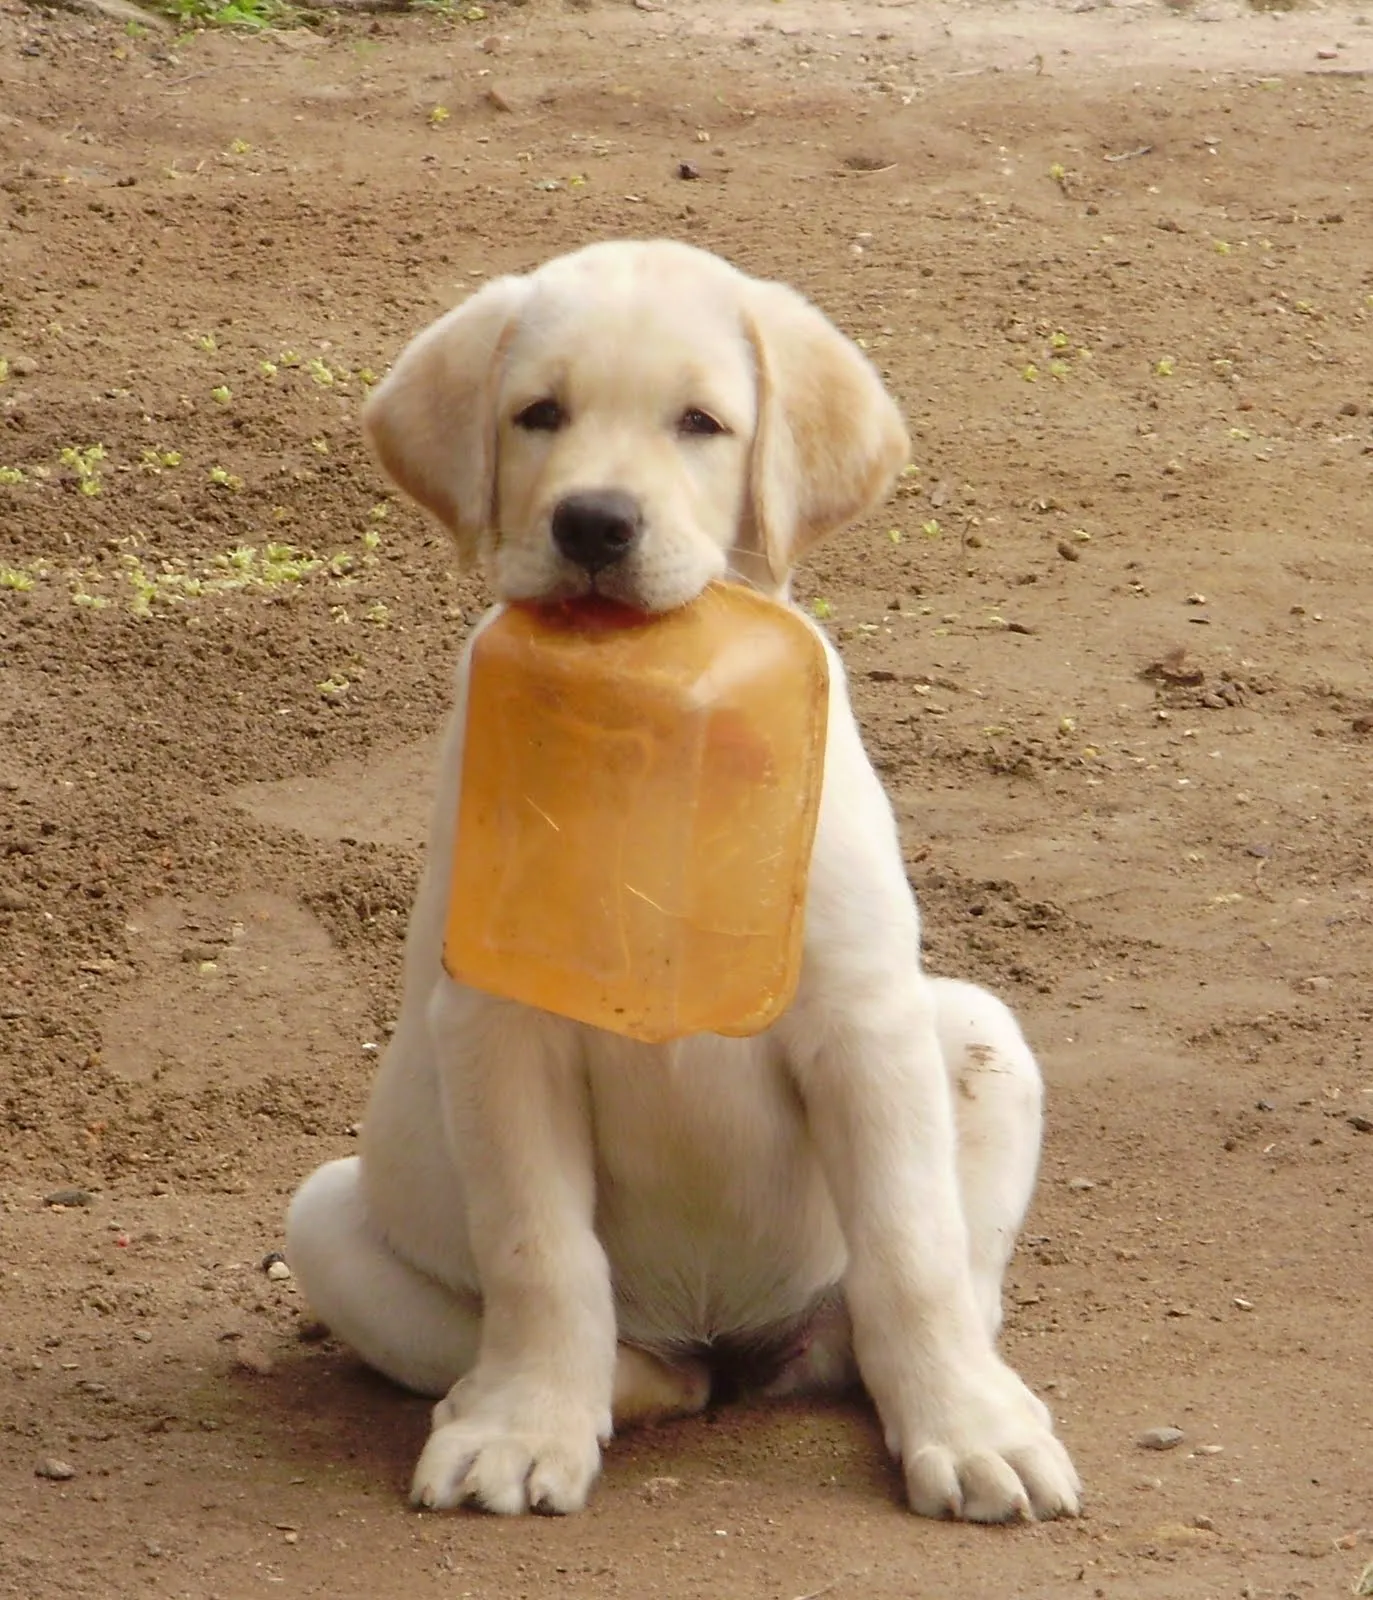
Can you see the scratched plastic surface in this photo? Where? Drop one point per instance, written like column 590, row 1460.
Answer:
column 638, row 805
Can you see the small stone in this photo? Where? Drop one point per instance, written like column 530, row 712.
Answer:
column 51, row 1467
column 1206, row 1524
column 1081, row 1185
column 196, row 954
column 688, row 170
column 1318, row 985
column 1209, row 1450
column 278, row 1271
column 67, row 1198
column 1361, row 1123
column 1243, row 1304
column 13, row 900
column 251, row 1358
column 1160, row 1439
column 1068, row 550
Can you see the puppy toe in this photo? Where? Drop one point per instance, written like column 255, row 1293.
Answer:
column 441, row 1471
column 497, row 1479
column 932, row 1484
column 991, row 1490
column 559, row 1482
column 1050, row 1479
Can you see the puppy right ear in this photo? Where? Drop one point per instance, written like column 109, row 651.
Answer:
column 432, row 421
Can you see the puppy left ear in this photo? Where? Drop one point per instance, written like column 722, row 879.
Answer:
column 431, row 423
column 829, row 439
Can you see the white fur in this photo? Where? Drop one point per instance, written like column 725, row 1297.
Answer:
column 550, row 1226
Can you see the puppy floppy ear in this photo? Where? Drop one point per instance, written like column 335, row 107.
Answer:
column 829, row 439
column 432, row 421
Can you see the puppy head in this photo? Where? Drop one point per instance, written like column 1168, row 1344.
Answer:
column 635, row 420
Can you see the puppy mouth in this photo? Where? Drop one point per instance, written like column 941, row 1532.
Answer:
column 609, row 588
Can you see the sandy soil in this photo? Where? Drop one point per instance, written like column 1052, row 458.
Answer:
column 1110, row 649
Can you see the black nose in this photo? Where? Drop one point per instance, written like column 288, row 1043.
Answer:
column 595, row 528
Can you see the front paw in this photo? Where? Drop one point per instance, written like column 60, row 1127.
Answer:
column 986, row 1452
column 508, row 1453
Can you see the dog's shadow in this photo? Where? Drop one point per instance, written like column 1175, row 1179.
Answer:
column 324, row 1416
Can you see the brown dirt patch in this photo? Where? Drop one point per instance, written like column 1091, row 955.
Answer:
column 1112, row 660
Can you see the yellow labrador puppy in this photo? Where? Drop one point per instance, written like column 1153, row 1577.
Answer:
column 557, row 1230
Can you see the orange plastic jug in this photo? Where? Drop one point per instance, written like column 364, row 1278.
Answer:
column 637, row 809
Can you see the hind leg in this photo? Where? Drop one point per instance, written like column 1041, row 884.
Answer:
column 421, row 1333
column 998, row 1105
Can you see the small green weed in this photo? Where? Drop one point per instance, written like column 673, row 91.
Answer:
column 249, row 15
column 86, row 465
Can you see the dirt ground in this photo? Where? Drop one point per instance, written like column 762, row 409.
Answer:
column 1110, row 647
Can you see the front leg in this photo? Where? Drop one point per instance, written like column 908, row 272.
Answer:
column 972, row 1440
column 522, row 1430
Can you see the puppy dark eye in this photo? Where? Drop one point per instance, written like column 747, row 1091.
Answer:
column 542, row 416
column 699, row 423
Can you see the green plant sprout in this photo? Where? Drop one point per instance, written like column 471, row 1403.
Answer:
column 221, row 394
column 16, row 578
column 10, row 475
column 250, row 15
column 85, row 464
